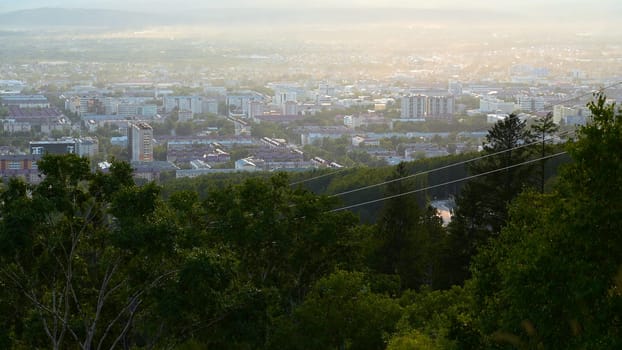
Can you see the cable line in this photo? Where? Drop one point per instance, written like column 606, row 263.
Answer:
column 444, row 167
column 547, row 106
column 447, row 183
column 319, row 176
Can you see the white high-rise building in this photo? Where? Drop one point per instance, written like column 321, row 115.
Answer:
column 85, row 105
column 530, row 103
column 563, row 113
column 326, row 90
column 210, row 106
column 87, row 146
column 255, row 109
column 281, row 97
column 140, row 141
column 290, row 108
column 238, row 103
column 440, row 107
column 413, row 106
column 111, row 105
column 193, row 104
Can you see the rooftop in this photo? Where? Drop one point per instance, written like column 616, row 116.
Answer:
column 142, row 125
column 23, row 98
column 17, row 112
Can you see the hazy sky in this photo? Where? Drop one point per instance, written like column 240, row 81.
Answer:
column 577, row 6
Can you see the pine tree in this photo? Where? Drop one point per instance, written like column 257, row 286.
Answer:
column 544, row 128
column 482, row 206
column 553, row 277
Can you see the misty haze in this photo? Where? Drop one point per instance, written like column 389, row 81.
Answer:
column 310, row 175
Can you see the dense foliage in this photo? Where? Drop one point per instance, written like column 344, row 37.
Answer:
column 91, row 260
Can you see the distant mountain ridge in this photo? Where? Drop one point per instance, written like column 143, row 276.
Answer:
column 53, row 17
column 70, row 17
column 245, row 17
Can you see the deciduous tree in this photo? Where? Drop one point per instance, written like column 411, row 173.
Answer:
column 552, row 279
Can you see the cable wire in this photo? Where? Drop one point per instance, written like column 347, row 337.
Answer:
column 319, row 176
column 447, row 183
column 444, row 167
column 586, row 94
column 459, row 163
column 548, row 106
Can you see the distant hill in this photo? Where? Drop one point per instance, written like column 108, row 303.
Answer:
column 57, row 17
column 63, row 17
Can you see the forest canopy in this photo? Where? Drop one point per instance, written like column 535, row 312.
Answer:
column 94, row 261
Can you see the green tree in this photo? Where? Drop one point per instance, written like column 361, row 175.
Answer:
column 159, row 152
column 267, row 129
column 88, row 261
column 341, row 312
column 436, row 320
column 544, row 128
column 60, row 251
column 285, row 237
column 185, row 128
column 482, row 205
column 412, row 340
column 406, row 235
column 552, row 279
column 359, row 157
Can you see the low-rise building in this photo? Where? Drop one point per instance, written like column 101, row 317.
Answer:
column 83, row 147
column 35, row 116
column 491, row 104
column 152, row 171
column 425, row 150
column 22, row 166
column 11, row 126
column 26, row 101
column 365, row 141
column 571, row 115
column 312, row 134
